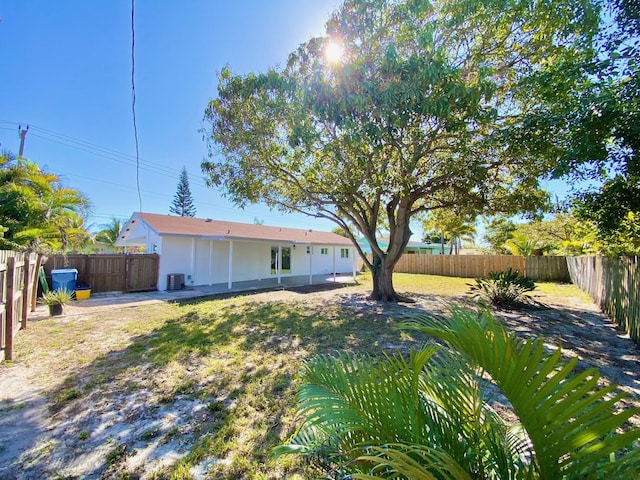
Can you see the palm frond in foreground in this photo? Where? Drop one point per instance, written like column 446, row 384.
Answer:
column 428, row 416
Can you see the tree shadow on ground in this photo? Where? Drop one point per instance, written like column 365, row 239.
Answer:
column 218, row 370
column 588, row 334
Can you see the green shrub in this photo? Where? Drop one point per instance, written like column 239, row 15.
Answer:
column 503, row 289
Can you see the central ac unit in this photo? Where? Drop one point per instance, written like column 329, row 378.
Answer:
column 175, row 281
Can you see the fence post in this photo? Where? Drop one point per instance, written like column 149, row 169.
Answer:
column 36, row 279
column 11, row 273
column 126, row 273
column 25, row 291
column 88, row 263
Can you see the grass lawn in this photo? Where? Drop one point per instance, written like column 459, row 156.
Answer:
column 225, row 371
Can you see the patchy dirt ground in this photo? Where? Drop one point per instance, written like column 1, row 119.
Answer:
column 138, row 423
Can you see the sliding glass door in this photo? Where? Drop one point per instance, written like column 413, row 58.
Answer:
column 280, row 261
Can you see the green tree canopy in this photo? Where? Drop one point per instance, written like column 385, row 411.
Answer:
column 592, row 125
column 418, row 115
column 497, row 231
column 562, row 234
column 182, row 204
column 448, row 224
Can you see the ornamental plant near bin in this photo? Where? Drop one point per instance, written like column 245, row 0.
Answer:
column 56, row 299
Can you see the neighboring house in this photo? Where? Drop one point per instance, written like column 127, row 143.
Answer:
column 210, row 252
column 412, row 248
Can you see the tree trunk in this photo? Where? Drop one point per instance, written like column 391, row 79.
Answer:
column 382, row 273
column 398, row 213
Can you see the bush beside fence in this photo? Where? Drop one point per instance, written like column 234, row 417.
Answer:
column 614, row 284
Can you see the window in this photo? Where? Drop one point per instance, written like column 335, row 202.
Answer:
column 324, row 251
column 344, row 253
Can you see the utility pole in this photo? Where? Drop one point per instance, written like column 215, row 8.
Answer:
column 22, row 134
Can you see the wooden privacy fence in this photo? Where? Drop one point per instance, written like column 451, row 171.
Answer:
column 479, row 266
column 465, row 266
column 614, row 283
column 547, row 269
column 110, row 272
column 18, row 290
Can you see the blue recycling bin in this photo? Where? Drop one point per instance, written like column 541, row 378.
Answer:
column 64, row 278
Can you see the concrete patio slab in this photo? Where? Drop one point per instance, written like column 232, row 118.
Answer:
column 108, row 301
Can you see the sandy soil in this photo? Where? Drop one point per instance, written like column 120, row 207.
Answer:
column 40, row 441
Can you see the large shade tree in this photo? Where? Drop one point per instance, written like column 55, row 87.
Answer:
column 416, row 115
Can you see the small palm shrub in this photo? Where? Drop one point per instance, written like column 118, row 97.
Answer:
column 503, row 289
column 57, row 297
column 427, row 416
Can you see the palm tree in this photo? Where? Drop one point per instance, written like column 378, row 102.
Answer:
column 109, row 232
column 37, row 211
column 521, row 244
column 450, row 225
column 428, row 417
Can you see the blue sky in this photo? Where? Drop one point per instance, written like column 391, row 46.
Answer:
column 67, row 73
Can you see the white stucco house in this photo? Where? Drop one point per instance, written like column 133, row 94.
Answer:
column 209, row 252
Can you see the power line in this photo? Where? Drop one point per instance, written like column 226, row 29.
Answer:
column 127, row 159
column 133, row 102
column 105, row 152
column 106, row 156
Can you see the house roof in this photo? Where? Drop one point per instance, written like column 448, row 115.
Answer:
column 134, row 232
